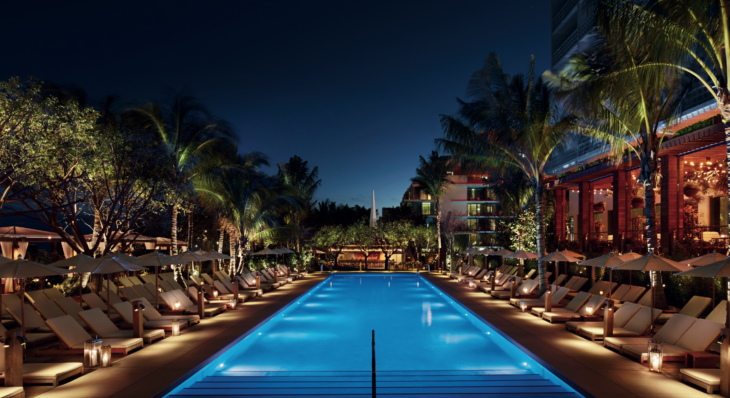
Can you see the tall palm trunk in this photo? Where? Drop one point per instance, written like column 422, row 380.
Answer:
column 220, row 240
column 173, row 233
column 540, row 220
column 190, row 227
column 231, row 250
column 660, row 299
column 438, row 232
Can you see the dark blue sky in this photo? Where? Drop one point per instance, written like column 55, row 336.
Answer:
column 353, row 87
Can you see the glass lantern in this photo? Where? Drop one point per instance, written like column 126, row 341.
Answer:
column 106, row 356
column 600, row 292
column 175, row 327
column 655, row 351
column 92, row 350
column 524, row 290
column 232, row 303
column 471, row 284
column 589, row 310
column 523, row 305
column 215, row 294
column 177, row 305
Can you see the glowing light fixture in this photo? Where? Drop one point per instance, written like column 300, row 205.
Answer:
column 655, row 351
column 106, row 356
column 91, row 353
column 175, row 327
column 589, row 310
column 523, row 305
column 177, row 305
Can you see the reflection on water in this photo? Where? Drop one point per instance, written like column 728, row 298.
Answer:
column 426, row 318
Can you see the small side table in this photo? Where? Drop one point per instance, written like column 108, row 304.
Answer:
column 700, row 359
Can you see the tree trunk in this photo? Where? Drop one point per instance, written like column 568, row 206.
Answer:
column 231, row 249
column 660, row 299
column 190, row 227
column 540, row 219
column 94, row 238
column 221, row 238
column 438, row 232
column 173, row 233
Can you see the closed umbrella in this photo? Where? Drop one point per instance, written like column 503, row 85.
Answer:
column 108, row 265
column 652, row 263
column 22, row 269
column 157, row 260
column 609, row 261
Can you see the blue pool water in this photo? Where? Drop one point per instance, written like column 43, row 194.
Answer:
column 417, row 328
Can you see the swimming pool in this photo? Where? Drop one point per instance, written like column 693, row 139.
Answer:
column 322, row 342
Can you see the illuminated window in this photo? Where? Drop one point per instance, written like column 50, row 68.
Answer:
column 426, row 209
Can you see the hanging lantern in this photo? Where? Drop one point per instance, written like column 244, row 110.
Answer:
column 106, row 356
column 175, row 327
column 655, row 350
column 523, row 305
column 92, row 349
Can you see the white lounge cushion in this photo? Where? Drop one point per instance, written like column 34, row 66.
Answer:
column 719, row 313
column 11, row 392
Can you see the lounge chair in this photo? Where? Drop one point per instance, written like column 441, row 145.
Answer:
column 94, row 301
column 197, row 280
column 455, row 273
column 36, row 295
column 570, row 309
column 211, row 307
column 479, row 274
column 149, row 278
column 620, row 318
column 526, row 288
column 74, row 336
column 12, row 392
column 636, row 326
column 559, row 279
column 557, row 296
column 709, row 379
column 250, row 279
column 126, row 310
column 698, row 337
column 126, row 282
column 186, row 305
column 633, row 294
column 645, row 299
column 207, row 278
column 245, row 285
column 569, row 284
column 53, row 293
column 33, row 321
column 694, row 308
column 225, row 293
column 70, row 307
column 718, row 314
column 49, row 310
column 668, row 334
column 151, row 314
column 564, row 315
column 104, row 328
column 33, row 339
column 41, row 373
column 486, row 287
column 143, row 292
column 619, row 293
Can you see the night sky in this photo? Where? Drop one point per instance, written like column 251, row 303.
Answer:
column 353, row 87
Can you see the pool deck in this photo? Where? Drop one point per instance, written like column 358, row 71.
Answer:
column 148, row 372
column 599, row 371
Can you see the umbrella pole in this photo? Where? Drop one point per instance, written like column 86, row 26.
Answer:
column 80, row 291
column 157, row 289
column 610, row 284
column 22, row 307
column 653, row 290
column 108, row 298
column 713, row 293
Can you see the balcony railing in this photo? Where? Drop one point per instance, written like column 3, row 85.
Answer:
column 564, row 11
column 569, row 42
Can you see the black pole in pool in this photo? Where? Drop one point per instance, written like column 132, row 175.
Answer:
column 373, row 363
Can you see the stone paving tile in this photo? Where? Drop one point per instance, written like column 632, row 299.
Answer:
column 148, row 371
column 599, row 371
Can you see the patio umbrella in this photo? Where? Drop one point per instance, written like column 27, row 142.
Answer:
column 560, row 256
column 21, row 269
column 216, row 256
column 502, row 253
column 609, row 261
column 265, row 252
column 190, row 257
column 107, row 265
column 157, row 260
column 74, row 261
column 707, row 259
column 628, row 257
column 652, row 263
column 572, row 253
column 522, row 256
column 717, row 269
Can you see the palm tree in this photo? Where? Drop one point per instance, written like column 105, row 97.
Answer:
column 297, row 174
column 510, row 124
column 192, row 136
column 629, row 112
column 513, row 189
column 433, row 178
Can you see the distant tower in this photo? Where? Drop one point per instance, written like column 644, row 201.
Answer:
column 373, row 218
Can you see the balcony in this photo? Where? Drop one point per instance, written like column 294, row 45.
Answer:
column 565, row 12
column 567, row 45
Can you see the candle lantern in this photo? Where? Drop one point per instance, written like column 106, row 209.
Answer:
column 523, row 305
column 471, row 283
column 524, row 290
column 655, row 351
column 92, row 349
column 106, row 356
column 175, row 327
column 177, row 305
column 600, row 293
column 232, row 303
column 215, row 294
column 589, row 310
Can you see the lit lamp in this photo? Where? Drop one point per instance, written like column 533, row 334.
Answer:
column 523, row 305
column 524, row 290
column 600, row 292
column 215, row 294
column 232, row 303
column 655, row 351
column 177, row 305
column 106, row 356
column 589, row 310
column 471, row 283
column 91, row 353
column 175, row 327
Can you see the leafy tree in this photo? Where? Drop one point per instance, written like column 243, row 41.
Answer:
column 432, row 176
column 393, row 236
column 331, row 239
column 523, row 231
column 510, row 123
column 330, row 213
column 363, row 236
column 194, row 139
column 423, row 237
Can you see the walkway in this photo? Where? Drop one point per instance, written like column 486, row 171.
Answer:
column 599, row 371
column 147, row 372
